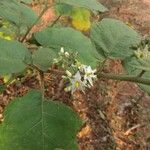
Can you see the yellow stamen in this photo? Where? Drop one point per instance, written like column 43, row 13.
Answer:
column 77, row 84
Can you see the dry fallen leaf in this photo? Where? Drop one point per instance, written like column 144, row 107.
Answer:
column 85, row 131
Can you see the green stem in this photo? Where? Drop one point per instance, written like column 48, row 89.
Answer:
column 125, row 78
column 141, row 73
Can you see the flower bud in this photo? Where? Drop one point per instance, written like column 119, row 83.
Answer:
column 66, row 54
column 62, row 50
column 69, row 74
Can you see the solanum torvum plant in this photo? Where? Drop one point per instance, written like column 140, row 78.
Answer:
column 34, row 122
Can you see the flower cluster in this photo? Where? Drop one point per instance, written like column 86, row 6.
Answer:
column 82, row 79
column 62, row 54
column 65, row 59
column 78, row 75
column 142, row 53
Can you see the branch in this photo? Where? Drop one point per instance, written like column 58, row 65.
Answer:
column 129, row 131
column 55, row 21
column 125, row 78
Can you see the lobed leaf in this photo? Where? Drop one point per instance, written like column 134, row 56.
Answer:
column 114, row 39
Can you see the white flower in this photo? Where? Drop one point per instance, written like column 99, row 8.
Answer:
column 89, row 75
column 76, row 83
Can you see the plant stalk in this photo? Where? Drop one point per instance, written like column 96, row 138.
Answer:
column 134, row 79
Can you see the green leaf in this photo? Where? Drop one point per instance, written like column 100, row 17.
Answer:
column 133, row 67
column 92, row 5
column 8, row 29
column 114, row 39
column 2, row 88
column 13, row 57
column 63, row 9
column 146, row 88
column 43, row 58
column 17, row 13
column 33, row 124
column 129, row 65
column 140, row 64
column 71, row 40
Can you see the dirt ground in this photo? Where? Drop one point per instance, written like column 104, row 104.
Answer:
column 134, row 12
column 137, row 14
column 116, row 114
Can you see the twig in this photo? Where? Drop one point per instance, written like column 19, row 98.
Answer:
column 39, row 17
column 55, row 21
column 129, row 131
